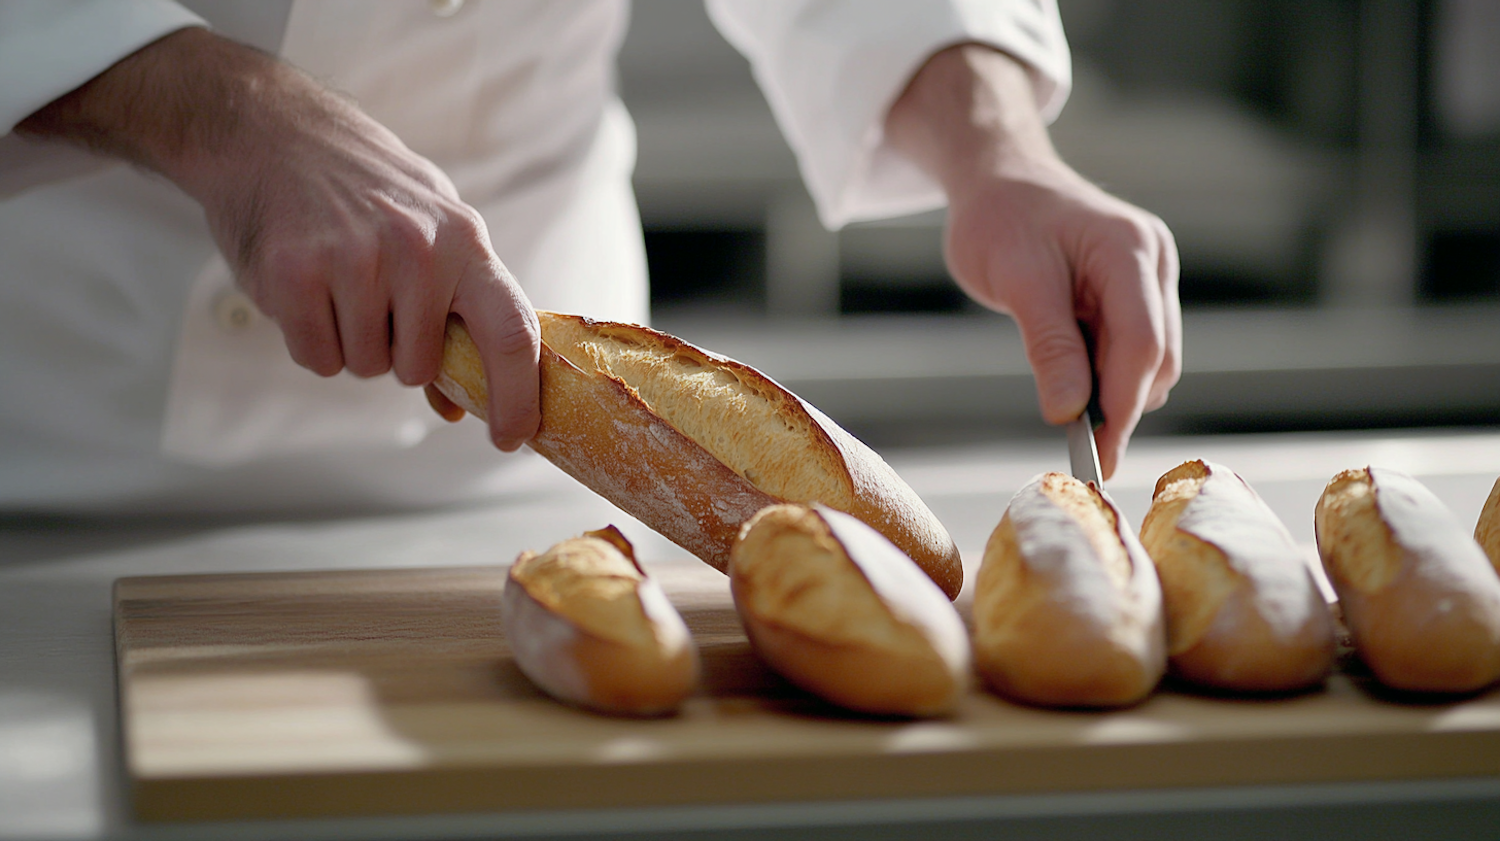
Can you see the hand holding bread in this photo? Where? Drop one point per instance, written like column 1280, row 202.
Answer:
column 693, row 444
column 1243, row 612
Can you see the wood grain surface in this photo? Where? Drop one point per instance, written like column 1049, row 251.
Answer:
column 392, row 691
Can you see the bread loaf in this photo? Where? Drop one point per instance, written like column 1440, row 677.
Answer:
column 1487, row 530
column 1243, row 611
column 1418, row 595
column 692, row 444
column 1067, row 608
column 840, row 611
column 588, row 626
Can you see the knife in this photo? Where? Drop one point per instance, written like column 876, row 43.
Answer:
column 1083, row 452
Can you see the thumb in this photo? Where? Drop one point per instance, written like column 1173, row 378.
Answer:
column 1058, row 356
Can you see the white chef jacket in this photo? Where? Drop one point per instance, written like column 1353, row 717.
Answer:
column 134, row 376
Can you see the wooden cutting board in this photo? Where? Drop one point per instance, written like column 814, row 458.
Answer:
column 392, row 691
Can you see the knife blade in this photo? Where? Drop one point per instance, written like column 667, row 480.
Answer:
column 1083, row 451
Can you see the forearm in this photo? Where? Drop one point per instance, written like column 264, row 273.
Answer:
column 970, row 109
column 176, row 106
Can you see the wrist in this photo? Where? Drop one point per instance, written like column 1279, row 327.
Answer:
column 968, row 114
column 175, row 106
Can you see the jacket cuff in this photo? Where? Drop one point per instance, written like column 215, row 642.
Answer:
column 831, row 72
column 48, row 48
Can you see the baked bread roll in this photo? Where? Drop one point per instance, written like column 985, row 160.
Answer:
column 840, row 611
column 1067, row 608
column 1418, row 594
column 588, row 626
column 1487, row 531
column 693, row 444
column 1243, row 611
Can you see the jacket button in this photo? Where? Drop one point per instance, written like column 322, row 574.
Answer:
column 234, row 312
column 446, row 8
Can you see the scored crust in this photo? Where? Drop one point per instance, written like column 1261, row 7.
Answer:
column 1419, row 597
column 1242, row 613
column 693, row 444
column 590, row 586
column 1487, row 530
column 1195, row 578
column 841, row 616
column 589, row 627
column 1067, row 609
column 1354, row 541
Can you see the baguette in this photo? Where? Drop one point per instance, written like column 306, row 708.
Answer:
column 1067, row 608
column 1418, row 595
column 589, row 628
column 1243, row 611
column 693, row 444
column 840, row 611
column 1487, row 530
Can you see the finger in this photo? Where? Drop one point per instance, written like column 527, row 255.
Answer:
column 446, row 409
column 504, row 327
column 421, row 295
column 1168, row 268
column 312, row 336
column 1132, row 339
column 362, row 305
column 1055, row 349
column 287, row 285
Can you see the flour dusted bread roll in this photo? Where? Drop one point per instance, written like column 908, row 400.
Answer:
column 1243, row 611
column 1487, row 530
column 1067, row 608
column 1418, row 595
column 692, row 444
column 589, row 627
column 840, row 611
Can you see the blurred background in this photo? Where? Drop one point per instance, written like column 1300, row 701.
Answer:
column 1331, row 169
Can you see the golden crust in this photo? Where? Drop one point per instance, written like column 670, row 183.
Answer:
column 1217, row 634
column 1034, row 638
column 1487, row 530
column 1356, row 545
column 814, row 615
column 591, row 582
column 587, row 626
column 1195, row 577
column 693, row 444
column 1424, row 615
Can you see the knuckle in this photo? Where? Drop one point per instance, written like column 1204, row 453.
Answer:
column 294, row 265
column 1146, row 348
column 466, row 226
column 417, row 363
column 1050, row 348
column 320, row 357
column 409, row 230
column 519, row 333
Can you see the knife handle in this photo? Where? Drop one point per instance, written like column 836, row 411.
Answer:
column 1094, row 410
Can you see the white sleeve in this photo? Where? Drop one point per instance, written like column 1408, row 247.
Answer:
column 831, row 69
column 50, row 47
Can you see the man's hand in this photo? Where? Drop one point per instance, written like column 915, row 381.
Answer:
column 1030, row 237
column 356, row 246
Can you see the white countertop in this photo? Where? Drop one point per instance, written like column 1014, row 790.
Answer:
column 59, row 750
